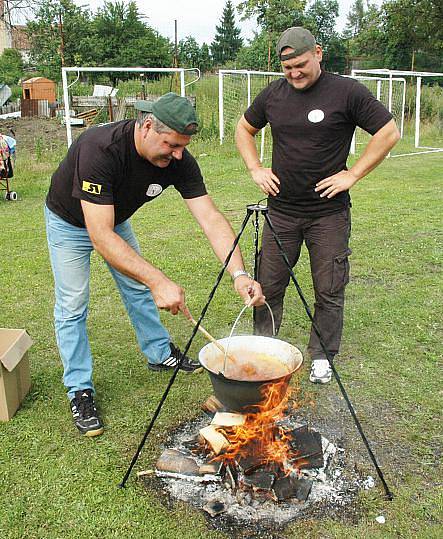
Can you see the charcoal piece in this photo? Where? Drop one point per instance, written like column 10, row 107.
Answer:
column 275, row 468
column 247, row 464
column 259, row 480
column 291, row 487
column 215, row 467
column 214, row 508
column 308, row 463
column 173, row 461
column 303, row 489
column 305, row 442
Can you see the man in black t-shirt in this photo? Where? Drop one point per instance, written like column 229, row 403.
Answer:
column 108, row 173
column 312, row 115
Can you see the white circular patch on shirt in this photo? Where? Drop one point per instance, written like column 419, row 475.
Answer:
column 316, row 116
column 154, row 189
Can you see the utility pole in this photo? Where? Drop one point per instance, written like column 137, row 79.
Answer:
column 175, row 44
column 62, row 39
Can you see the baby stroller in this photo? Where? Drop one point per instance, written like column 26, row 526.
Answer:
column 7, row 155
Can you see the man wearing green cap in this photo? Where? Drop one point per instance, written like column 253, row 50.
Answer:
column 108, row 173
column 313, row 115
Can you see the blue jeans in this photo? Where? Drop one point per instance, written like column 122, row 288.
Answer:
column 70, row 250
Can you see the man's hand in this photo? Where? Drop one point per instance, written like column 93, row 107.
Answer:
column 169, row 296
column 331, row 186
column 249, row 290
column 266, row 180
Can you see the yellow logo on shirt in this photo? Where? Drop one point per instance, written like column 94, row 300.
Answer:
column 93, row 188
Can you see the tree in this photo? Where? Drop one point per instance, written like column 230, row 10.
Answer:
column 227, row 41
column 191, row 55
column 273, row 16
column 64, row 34
column 122, row 39
column 188, row 52
column 60, row 35
column 206, row 62
column 256, row 55
column 413, row 26
column 355, row 19
column 11, row 66
column 320, row 19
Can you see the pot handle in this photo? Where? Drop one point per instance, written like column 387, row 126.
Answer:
column 236, row 322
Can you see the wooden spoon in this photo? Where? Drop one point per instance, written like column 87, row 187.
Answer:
column 213, row 340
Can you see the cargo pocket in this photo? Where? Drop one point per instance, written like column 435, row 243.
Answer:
column 340, row 274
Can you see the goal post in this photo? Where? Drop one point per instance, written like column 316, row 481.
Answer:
column 179, row 74
column 391, row 91
column 237, row 88
column 413, row 121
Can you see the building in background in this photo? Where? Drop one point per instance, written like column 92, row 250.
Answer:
column 12, row 36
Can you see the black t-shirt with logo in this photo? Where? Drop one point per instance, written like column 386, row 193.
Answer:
column 311, row 133
column 103, row 167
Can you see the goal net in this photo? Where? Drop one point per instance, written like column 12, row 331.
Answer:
column 98, row 95
column 416, row 108
column 237, row 90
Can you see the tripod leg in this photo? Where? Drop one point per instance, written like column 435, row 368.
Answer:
column 329, row 356
column 256, row 255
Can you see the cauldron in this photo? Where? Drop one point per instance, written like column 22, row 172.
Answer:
column 260, row 362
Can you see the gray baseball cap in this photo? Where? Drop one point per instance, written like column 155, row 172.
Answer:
column 298, row 38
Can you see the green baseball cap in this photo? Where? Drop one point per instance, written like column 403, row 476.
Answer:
column 174, row 111
column 298, row 38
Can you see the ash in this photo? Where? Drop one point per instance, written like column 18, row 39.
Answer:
column 334, row 487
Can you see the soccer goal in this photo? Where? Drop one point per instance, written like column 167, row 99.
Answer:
column 98, row 95
column 237, row 88
column 420, row 122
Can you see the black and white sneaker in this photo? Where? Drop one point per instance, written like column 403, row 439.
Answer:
column 85, row 413
column 187, row 364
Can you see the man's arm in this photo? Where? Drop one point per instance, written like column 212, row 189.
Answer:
column 99, row 221
column 376, row 150
column 263, row 177
column 221, row 237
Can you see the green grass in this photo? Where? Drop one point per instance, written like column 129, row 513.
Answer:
column 55, row 484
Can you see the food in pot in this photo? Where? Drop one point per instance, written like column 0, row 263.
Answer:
column 248, row 366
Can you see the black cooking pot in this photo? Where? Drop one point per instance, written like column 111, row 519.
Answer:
column 260, row 363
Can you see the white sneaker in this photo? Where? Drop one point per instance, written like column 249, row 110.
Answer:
column 321, row 372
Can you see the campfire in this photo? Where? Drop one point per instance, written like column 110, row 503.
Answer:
column 251, row 457
column 258, row 455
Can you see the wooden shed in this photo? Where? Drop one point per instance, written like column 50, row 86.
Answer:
column 39, row 88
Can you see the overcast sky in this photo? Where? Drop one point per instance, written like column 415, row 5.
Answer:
column 197, row 17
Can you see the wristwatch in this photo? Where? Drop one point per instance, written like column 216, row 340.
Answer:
column 238, row 273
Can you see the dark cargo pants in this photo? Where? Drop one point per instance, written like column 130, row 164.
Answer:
column 327, row 241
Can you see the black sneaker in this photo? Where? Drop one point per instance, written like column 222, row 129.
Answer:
column 85, row 413
column 187, row 364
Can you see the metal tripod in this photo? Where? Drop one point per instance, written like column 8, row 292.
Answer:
column 256, row 210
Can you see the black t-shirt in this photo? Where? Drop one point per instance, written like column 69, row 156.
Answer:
column 311, row 133
column 103, row 167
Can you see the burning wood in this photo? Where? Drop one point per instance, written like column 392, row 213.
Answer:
column 173, row 461
column 211, row 405
column 226, row 419
column 215, row 439
column 254, row 452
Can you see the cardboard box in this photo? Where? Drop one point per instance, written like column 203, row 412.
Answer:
column 15, row 379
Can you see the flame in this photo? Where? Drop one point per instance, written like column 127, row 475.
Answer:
column 261, row 436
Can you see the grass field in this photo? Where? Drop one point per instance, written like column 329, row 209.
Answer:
column 55, row 484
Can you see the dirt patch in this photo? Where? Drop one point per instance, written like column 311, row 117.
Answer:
column 33, row 134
